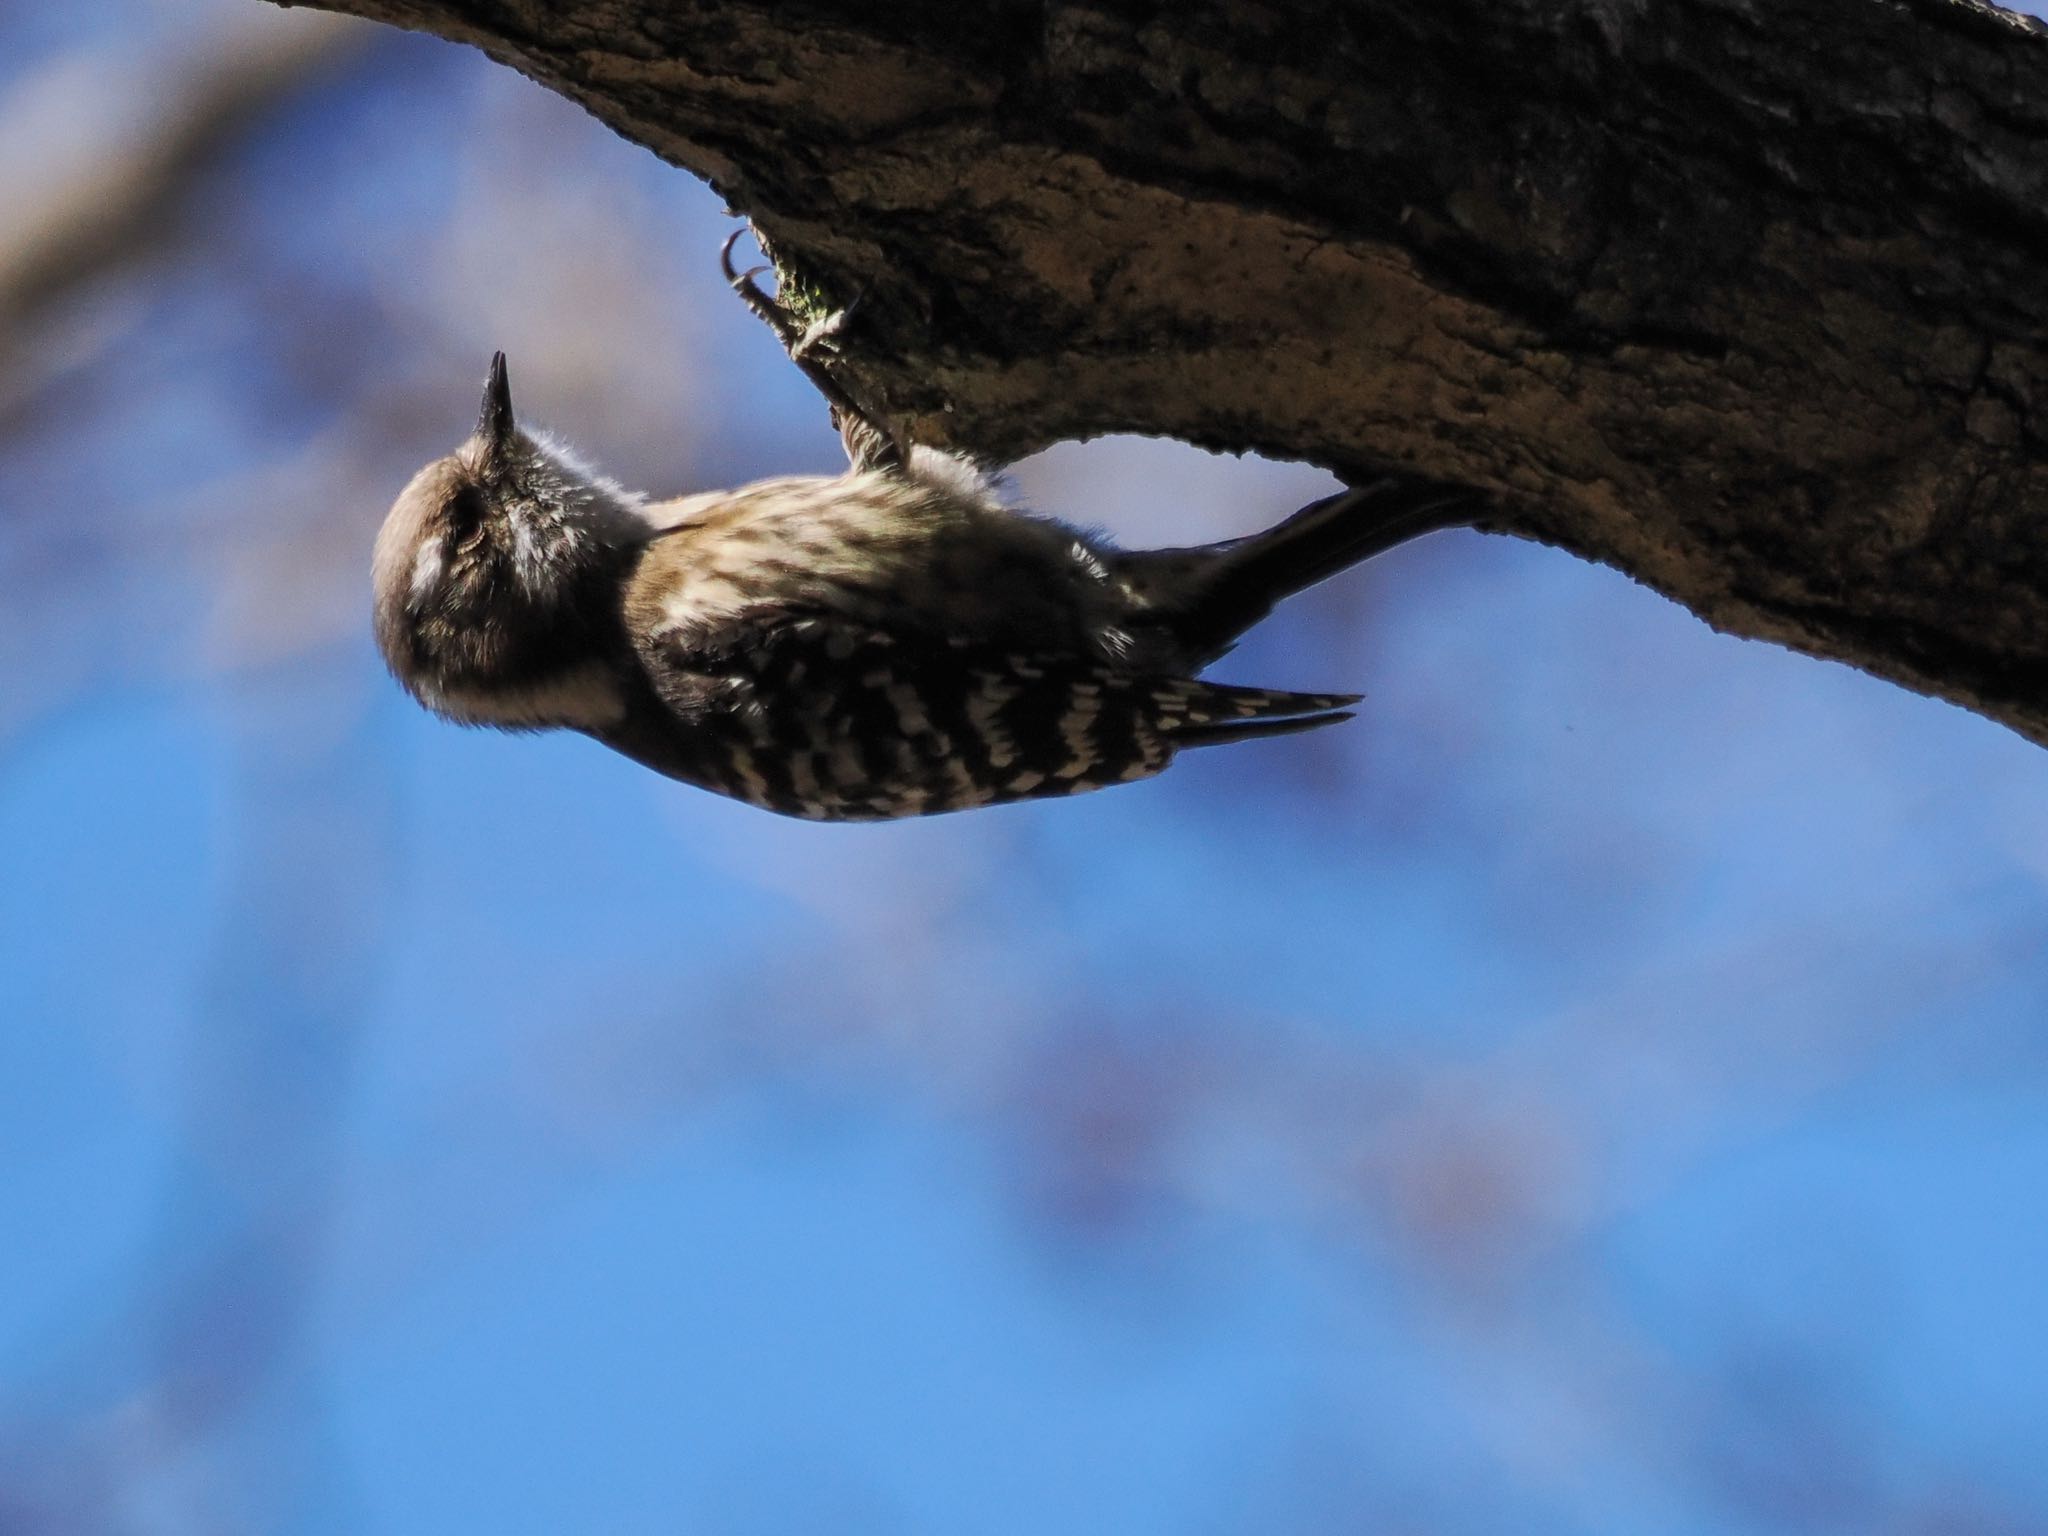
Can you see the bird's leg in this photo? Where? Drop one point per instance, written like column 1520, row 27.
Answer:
column 869, row 444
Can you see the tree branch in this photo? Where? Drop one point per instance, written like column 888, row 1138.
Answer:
column 1747, row 301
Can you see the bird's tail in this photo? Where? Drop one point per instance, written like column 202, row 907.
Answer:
column 1198, row 714
column 1212, row 594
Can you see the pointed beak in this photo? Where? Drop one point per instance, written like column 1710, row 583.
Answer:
column 494, row 425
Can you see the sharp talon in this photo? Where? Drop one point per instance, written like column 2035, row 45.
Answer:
column 743, row 284
column 725, row 254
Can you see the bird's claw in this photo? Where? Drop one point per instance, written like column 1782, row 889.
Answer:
column 869, row 444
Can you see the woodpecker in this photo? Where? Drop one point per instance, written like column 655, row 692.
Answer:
column 889, row 642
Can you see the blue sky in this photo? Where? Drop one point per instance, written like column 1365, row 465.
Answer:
column 1603, row 1089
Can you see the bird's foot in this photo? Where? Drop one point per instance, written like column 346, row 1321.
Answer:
column 822, row 336
column 869, row 443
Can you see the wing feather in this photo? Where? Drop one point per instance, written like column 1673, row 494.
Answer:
column 838, row 720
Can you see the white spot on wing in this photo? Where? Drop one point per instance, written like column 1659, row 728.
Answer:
column 984, row 706
column 754, row 786
column 803, row 778
column 1077, row 728
column 848, row 771
column 910, row 716
column 965, row 791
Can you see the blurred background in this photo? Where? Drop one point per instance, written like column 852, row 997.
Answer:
column 1604, row 1089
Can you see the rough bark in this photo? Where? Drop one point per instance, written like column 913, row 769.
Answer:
column 1744, row 297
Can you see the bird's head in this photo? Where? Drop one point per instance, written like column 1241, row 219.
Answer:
column 493, row 569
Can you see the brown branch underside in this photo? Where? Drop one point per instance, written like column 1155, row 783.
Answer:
column 1745, row 299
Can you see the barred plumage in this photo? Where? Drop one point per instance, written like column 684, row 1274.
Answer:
column 890, row 642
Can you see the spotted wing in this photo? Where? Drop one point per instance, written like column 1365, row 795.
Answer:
column 837, row 721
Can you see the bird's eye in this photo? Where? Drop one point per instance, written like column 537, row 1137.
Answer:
column 465, row 510
column 466, row 516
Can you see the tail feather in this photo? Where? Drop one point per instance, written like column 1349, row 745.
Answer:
column 1197, row 714
column 1202, row 703
column 1212, row 594
column 1253, row 730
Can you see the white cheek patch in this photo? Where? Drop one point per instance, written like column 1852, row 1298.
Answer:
column 427, row 562
column 543, row 549
column 528, row 564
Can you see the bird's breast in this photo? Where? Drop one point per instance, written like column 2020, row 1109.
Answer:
column 587, row 696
